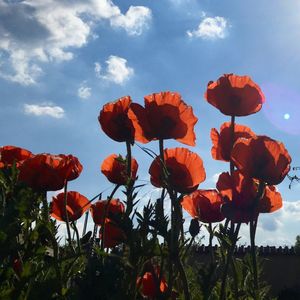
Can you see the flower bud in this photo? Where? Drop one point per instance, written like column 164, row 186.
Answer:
column 194, row 228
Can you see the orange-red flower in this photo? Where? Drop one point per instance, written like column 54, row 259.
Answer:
column 114, row 120
column 46, row 172
column 222, row 143
column 113, row 207
column 262, row 158
column 243, row 204
column 204, row 205
column 271, row 201
column 165, row 116
column 13, row 154
column 235, row 95
column 114, row 167
column 113, row 235
column 77, row 204
column 150, row 284
column 185, row 170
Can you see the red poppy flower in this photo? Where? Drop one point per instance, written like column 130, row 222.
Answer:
column 114, row 207
column 204, row 205
column 271, row 201
column 222, row 143
column 165, row 116
column 235, row 95
column 185, row 169
column 11, row 154
column 113, row 235
column 149, row 284
column 46, row 172
column 115, row 169
column 114, row 120
column 262, row 158
column 77, row 204
column 241, row 193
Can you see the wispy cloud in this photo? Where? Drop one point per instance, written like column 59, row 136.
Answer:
column 97, row 70
column 210, row 28
column 116, row 70
column 44, row 110
column 84, row 92
column 35, row 32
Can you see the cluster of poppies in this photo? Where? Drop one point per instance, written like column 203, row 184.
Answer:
column 42, row 172
column 257, row 163
column 257, row 159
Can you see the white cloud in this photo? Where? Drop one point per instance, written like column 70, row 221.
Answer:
column 36, row 31
column 116, row 71
column 84, row 92
column 97, row 70
column 210, row 28
column 134, row 21
column 44, row 110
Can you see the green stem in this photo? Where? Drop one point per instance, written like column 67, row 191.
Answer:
column 45, row 209
column 77, row 236
column 162, row 159
column 171, row 246
column 253, row 224
column 66, row 214
column 183, row 279
column 232, row 142
column 86, row 217
column 161, row 150
column 211, row 250
column 130, row 182
column 228, row 259
column 128, row 160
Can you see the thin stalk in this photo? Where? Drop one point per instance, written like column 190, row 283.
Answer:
column 228, row 259
column 77, row 236
column 161, row 150
column 232, row 142
column 171, row 246
column 161, row 154
column 128, row 160
column 253, row 224
column 85, row 223
column 211, row 250
column 181, row 225
column 93, row 240
column 183, row 279
column 66, row 214
column 45, row 210
column 130, row 182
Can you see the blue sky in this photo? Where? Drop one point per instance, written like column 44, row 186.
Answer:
column 61, row 61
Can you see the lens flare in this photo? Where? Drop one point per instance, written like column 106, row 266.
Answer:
column 281, row 99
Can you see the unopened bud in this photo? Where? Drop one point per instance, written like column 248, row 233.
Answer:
column 194, row 227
